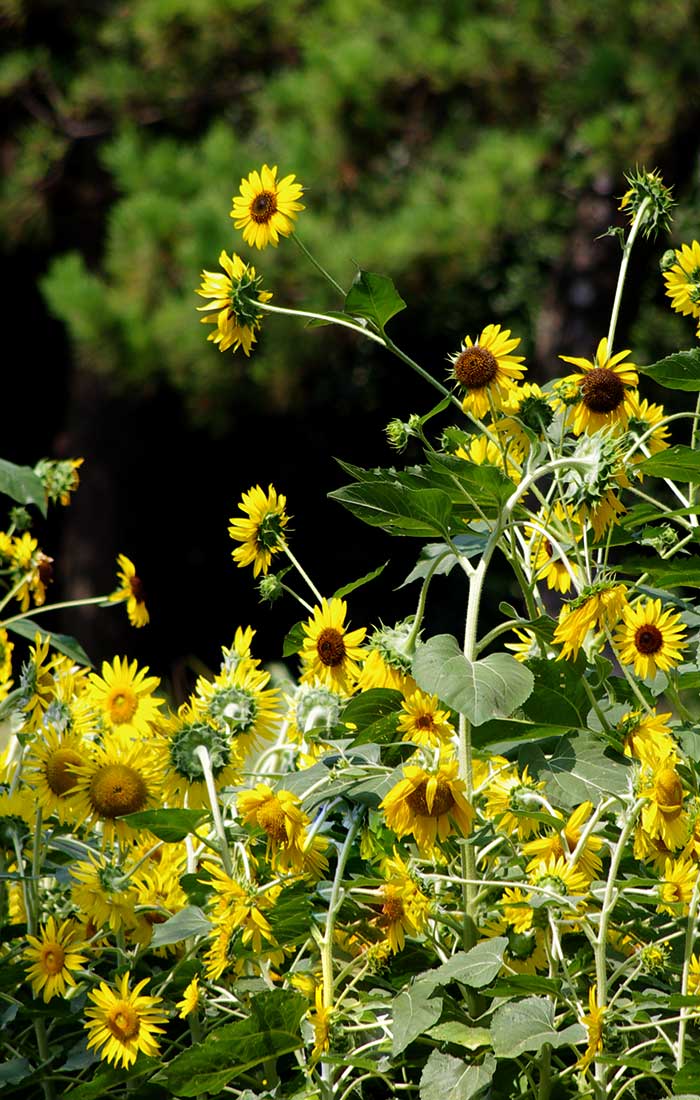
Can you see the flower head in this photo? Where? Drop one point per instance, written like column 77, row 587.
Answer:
column 232, row 306
column 178, row 742
column 593, row 1024
column 190, row 999
column 601, row 392
column 683, row 280
column 266, row 207
column 599, row 606
column 331, row 653
column 676, row 890
column 429, row 805
column 122, row 1023
column 50, row 765
column 262, row 533
column 52, row 956
column 650, row 638
column 120, row 777
column 423, row 722
column 130, row 590
column 124, row 695
column 487, row 370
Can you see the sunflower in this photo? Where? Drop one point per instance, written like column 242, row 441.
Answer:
column 242, row 906
column 191, row 999
column 565, row 842
column 239, row 701
column 52, row 956
column 176, row 740
column 600, row 395
column 694, row 976
column 676, row 890
column 279, row 815
column 517, row 911
column 330, row 653
column 320, row 1021
column 593, row 1024
column 527, row 646
column 232, row 308
column 262, row 534
column 545, row 560
column 37, row 684
column 428, row 805
column 404, row 911
column 124, row 695
column 266, row 207
column 33, row 568
column 124, row 1023
column 487, row 370
column 663, row 815
column 156, row 885
column 131, row 589
column 50, row 764
column 119, row 778
column 683, row 280
column 644, row 417
column 6, row 647
column 101, row 893
column 378, row 672
column 650, row 638
column 557, row 875
column 599, row 606
column 508, row 798
column 388, row 664
column 646, row 736
column 423, row 723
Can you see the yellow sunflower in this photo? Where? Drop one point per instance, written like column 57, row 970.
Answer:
column 644, row 417
column 663, row 814
column 130, row 589
column 694, row 976
column 483, row 452
column 378, row 672
column 331, row 653
column 123, row 1023
column 262, row 534
column 593, row 1024
column 646, row 736
column 191, row 999
column 266, row 207
column 240, row 906
column 526, row 647
column 50, row 764
column 121, row 776
column 239, row 700
column 124, row 695
column 517, row 911
column 487, row 370
column 279, row 815
column 598, row 607
column 650, row 638
column 508, row 798
column 565, row 841
column 557, row 875
column 101, row 892
column 404, row 907
column 676, row 890
column 232, row 307
column 422, row 721
column 602, row 390
column 176, row 740
column 683, row 280
column 52, row 956
column 428, row 805
column 6, row 647
column 546, row 561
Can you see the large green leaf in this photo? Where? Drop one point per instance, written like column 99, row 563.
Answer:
column 398, row 509
column 580, row 768
column 27, row 628
column 675, row 573
column 340, row 593
column 680, row 371
column 494, row 686
column 680, row 463
column 188, row 922
column 373, row 297
column 468, row 545
column 475, row 968
column 413, row 1011
column 527, row 1025
column 448, row 1078
column 171, row 825
column 271, row 1030
column 486, row 486
column 22, row 484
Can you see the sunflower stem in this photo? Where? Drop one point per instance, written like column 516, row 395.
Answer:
column 312, row 259
column 29, row 614
column 202, row 754
column 626, row 251
column 691, row 932
column 302, row 573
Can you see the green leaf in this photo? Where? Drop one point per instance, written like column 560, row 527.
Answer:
column 448, row 1078
column 580, row 768
column 527, row 1025
column 475, row 968
column 688, row 1078
column 494, row 686
column 293, row 641
column 373, row 297
column 486, row 486
column 469, row 546
column 188, row 922
column 366, row 709
column 680, row 371
column 169, row 825
column 679, row 463
column 461, row 1035
column 14, row 1070
column 23, row 485
column 26, row 628
column 348, row 588
column 100, row 1086
column 397, row 509
column 414, row 1011
column 676, row 573
column 515, row 985
column 271, row 1030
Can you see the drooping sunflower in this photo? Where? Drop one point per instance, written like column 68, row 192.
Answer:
column 124, row 695
column 242, row 905
column 331, row 653
column 646, row 736
column 279, row 815
column 683, row 280
column 404, row 907
column 593, row 1023
column 663, row 814
column 177, row 738
column 262, row 534
column 101, row 892
column 191, row 999
column 676, row 890
column 239, row 700
column 565, row 841
column 232, row 307
column 430, row 805
column 601, row 392
column 122, row 1023
column 50, row 764
column 121, row 776
column 423, row 722
column 509, row 795
column 557, row 875
column 266, row 208
column 487, row 370
column 132, row 591
column 52, row 956
column 650, row 638
column 599, row 606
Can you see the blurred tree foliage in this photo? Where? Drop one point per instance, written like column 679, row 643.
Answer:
column 450, row 144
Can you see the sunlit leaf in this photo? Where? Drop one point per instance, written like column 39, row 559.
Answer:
column 373, row 297
column 680, row 371
column 491, row 687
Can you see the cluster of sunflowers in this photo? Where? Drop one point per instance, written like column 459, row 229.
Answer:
column 298, row 858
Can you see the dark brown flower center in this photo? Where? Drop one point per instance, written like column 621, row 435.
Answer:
column 548, row 548
column 442, row 802
column 45, row 568
column 117, row 789
column 137, row 589
column 424, row 722
column 475, row 367
column 330, row 647
column 648, row 639
column 603, row 390
column 58, row 777
column 392, row 909
column 263, row 207
column 123, row 1021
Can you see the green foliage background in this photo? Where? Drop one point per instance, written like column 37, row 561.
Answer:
column 449, row 144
